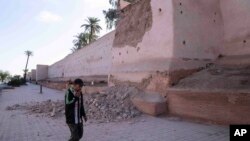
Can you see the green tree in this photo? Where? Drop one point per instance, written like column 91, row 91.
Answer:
column 111, row 17
column 112, row 14
column 4, row 75
column 28, row 54
column 92, row 27
column 16, row 81
column 81, row 40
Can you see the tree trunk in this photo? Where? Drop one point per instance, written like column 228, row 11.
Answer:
column 91, row 34
column 26, row 68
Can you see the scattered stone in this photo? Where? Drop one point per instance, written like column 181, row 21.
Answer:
column 113, row 104
column 41, row 109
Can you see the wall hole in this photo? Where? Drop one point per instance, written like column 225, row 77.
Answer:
column 180, row 4
column 220, row 56
column 181, row 12
column 214, row 21
column 244, row 41
column 184, row 42
column 160, row 10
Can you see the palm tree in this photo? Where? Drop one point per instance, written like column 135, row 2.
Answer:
column 92, row 27
column 81, row 40
column 28, row 54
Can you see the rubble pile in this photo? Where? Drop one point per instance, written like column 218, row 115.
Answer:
column 113, row 104
column 45, row 109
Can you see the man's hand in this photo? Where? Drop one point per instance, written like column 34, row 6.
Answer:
column 85, row 118
column 78, row 94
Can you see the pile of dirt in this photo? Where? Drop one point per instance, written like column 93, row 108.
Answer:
column 47, row 108
column 113, row 104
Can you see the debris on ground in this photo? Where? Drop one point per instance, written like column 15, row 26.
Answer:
column 44, row 109
column 113, row 104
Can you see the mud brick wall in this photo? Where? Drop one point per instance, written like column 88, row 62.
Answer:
column 95, row 59
column 162, row 41
column 169, row 41
column 41, row 72
column 222, row 107
column 236, row 27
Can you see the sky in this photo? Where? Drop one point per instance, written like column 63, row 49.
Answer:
column 45, row 27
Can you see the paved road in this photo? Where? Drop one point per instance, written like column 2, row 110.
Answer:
column 16, row 126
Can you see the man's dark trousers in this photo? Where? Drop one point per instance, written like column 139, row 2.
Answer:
column 76, row 131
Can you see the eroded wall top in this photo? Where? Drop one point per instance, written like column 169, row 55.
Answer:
column 133, row 24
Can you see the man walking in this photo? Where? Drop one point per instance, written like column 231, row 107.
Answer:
column 74, row 110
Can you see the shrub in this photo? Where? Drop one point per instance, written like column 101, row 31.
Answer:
column 16, row 81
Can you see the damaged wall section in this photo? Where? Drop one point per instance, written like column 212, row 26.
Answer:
column 143, row 41
column 138, row 20
column 178, row 42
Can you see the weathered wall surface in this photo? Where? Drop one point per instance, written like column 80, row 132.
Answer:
column 198, row 31
column 41, row 72
column 95, row 59
column 169, row 36
column 143, row 42
column 159, row 40
column 236, row 19
column 198, row 35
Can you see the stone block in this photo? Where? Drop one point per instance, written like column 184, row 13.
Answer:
column 152, row 104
